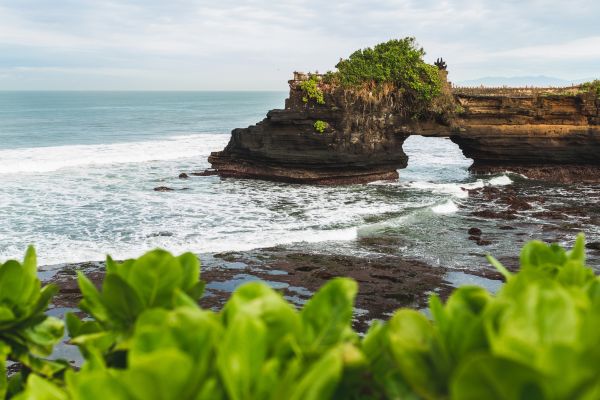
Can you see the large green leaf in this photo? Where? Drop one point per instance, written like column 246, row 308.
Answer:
column 492, row 378
column 241, row 355
column 327, row 316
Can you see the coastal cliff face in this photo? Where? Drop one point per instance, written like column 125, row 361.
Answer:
column 362, row 141
column 543, row 133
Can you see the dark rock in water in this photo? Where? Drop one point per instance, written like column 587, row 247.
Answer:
column 516, row 203
column 482, row 242
column 474, row 232
column 206, row 172
column 506, row 228
column 495, row 214
column 162, row 233
column 474, row 238
column 593, row 245
column 163, row 189
column 183, row 175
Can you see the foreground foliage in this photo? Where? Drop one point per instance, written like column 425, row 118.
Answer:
column 538, row 338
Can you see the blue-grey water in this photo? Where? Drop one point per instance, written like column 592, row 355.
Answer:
column 77, row 172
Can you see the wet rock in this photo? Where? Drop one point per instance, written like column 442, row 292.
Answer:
column 206, row 172
column 593, row 245
column 508, row 215
column 474, row 238
column 482, row 242
column 163, row 189
column 159, row 234
column 183, row 175
column 474, row 232
column 517, row 204
column 506, row 228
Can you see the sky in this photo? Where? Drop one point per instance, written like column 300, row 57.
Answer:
column 257, row 44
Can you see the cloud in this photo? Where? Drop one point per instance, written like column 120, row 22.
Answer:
column 252, row 44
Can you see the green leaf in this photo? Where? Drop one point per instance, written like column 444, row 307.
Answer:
column 499, row 267
column 92, row 302
column 260, row 301
column 327, row 316
column 492, row 378
column 416, row 351
column 577, row 254
column 241, row 355
column 41, row 389
column 320, row 381
column 4, row 353
column 42, row 337
column 122, row 302
column 154, row 277
column 190, row 266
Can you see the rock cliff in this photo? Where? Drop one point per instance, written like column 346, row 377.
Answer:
column 362, row 141
column 544, row 133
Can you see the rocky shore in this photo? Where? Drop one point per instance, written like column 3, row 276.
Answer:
column 386, row 282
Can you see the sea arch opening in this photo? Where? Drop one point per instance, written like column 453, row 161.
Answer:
column 434, row 159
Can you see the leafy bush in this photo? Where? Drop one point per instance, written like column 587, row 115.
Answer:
column 311, row 90
column 26, row 333
column 155, row 280
column 320, row 126
column 593, row 86
column 397, row 61
column 538, row 338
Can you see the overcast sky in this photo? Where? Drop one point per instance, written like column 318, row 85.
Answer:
column 255, row 45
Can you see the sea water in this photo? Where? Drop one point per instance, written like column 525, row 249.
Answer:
column 78, row 169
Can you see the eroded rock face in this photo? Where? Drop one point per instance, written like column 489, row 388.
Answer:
column 362, row 143
column 544, row 136
column 539, row 133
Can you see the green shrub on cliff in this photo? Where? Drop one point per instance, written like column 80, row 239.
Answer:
column 311, row 90
column 593, row 86
column 398, row 61
column 537, row 338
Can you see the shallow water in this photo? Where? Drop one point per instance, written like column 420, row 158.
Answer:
column 77, row 172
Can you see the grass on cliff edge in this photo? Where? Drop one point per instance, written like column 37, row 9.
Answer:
column 397, row 61
column 593, row 86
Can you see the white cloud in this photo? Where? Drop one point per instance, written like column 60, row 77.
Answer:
column 180, row 43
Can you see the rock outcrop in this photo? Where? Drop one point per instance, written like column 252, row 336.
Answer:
column 361, row 143
column 543, row 133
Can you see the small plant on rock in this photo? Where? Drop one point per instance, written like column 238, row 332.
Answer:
column 312, row 90
column 320, row 126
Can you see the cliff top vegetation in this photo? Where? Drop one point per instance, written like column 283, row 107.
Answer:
column 593, row 86
column 397, row 61
column 394, row 66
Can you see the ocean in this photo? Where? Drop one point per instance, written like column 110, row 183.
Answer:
column 78, row 169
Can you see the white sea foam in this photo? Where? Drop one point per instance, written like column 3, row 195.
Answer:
column 459, row 190
column 48, row 159
column 447, row 208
